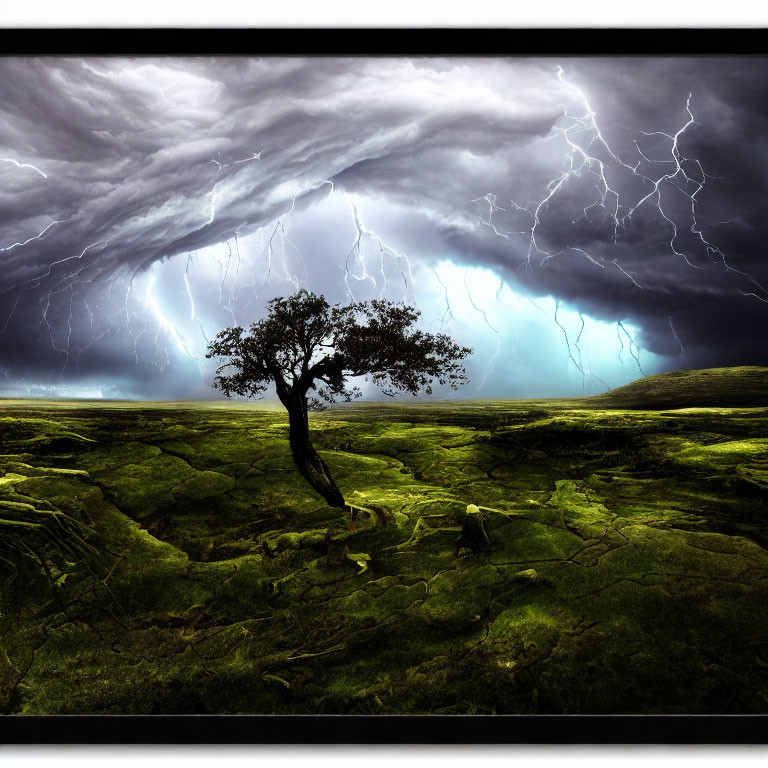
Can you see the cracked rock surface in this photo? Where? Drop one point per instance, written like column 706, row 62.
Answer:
column 172, row 560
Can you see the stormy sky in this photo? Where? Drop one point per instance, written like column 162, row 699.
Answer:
column 579, row 222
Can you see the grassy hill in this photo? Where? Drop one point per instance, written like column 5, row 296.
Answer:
column 743, row 386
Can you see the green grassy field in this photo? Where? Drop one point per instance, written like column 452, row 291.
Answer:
column 170, row 559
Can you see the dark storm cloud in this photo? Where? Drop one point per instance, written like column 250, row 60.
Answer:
column 146, row 159
column 713, row 318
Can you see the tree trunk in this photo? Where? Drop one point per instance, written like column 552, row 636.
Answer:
column 311, row 466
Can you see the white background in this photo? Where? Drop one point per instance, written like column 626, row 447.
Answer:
column 394, row 13
column 376, row 756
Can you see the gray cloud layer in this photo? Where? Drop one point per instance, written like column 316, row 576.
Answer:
column 149, row 158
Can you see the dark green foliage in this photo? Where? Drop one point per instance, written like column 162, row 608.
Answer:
column 36, row 539
column 305, row 341
column 43, row 542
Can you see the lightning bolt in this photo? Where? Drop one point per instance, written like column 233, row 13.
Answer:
column 588, row 154
column 29, row 240
column 510, row 309
column 634, row 350
column 493, row 207
column 228, row 305
column 474, row 306
column 212, row 215
column 448, row 310
column 192, row 301
column 677, row 179
column 254, row 156
column 402, row 262
column 676, row 337
column 491, row 363
column 69, row 329
column 94, row 339
column 292, row 277
column 568, row 343
column 269, row 248
column 356, row 251
column 35, row 282
column 23, row 165
column 163, row 322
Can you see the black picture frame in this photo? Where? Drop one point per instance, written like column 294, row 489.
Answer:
column 384, row 729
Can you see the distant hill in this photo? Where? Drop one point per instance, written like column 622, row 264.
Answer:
column 711, row 387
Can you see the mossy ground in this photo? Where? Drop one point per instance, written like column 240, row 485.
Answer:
column 628, row 569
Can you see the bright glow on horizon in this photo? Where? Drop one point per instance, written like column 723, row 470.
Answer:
column 516, row 337
column 520, row 347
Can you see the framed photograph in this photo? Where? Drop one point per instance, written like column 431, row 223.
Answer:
column 383, row 386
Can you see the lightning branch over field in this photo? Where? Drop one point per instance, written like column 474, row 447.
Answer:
column 589, row 154
column 355, row 256
column 448, row 310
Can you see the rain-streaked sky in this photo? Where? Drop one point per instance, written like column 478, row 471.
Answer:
column 578, row 222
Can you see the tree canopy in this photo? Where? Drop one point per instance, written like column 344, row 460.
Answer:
column 306, row 344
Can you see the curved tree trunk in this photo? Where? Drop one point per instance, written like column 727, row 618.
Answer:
column 311, row 466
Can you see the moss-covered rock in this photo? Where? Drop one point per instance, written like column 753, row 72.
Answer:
column 204, row 484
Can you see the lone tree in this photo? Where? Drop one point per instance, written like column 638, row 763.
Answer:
column 308, row 349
